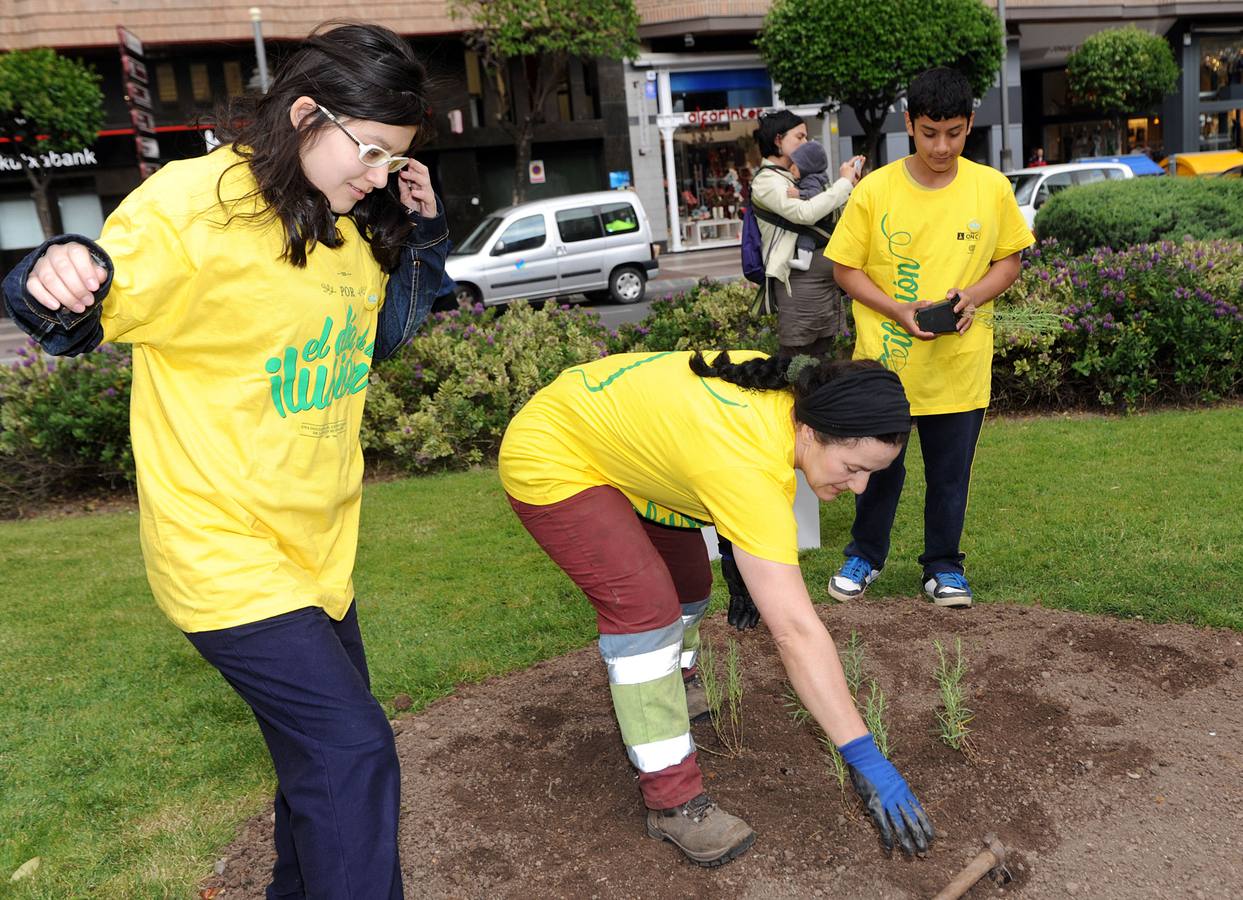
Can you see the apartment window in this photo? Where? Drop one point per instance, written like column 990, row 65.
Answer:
column 233, row 84
column 166, row 82
column 200, row 84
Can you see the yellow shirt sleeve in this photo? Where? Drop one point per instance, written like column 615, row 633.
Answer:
column 853, row 235
column 151, row 269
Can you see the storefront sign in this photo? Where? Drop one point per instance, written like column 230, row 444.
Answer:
column 50, row 160
column 702, row 117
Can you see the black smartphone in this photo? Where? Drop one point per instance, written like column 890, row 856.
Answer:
column 939, row 318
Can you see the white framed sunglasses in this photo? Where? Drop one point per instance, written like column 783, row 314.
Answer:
column 370, row 155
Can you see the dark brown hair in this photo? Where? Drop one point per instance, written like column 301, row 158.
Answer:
column 359, row 72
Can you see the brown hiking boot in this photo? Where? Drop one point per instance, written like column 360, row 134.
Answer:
column 707, row 835
column 696, row 699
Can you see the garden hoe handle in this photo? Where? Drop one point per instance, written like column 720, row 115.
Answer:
column 992, row 857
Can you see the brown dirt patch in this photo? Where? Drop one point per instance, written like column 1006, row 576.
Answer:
column 1109, row 764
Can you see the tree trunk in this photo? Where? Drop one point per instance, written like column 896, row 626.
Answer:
column 522, row 159
column 1121, row 124
column 872, row 126
column 48, row 212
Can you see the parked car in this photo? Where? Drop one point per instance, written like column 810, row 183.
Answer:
column 1139, row 163
column 597, row 244
column 1206, row 162
column 1033, row 187
column 1233, row 172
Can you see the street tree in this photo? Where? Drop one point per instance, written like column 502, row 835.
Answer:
column 48, row 104
column 1122, row 71
column 532, row 42
column 864, row 52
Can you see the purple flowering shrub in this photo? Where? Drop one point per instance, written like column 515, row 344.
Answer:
column 1153, row 323
column 64, row 423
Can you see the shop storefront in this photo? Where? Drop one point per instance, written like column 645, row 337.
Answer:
column 1220, row 117
column 706, row 112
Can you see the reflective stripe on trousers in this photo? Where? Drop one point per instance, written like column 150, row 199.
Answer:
column 645, row 678
column 692, row 615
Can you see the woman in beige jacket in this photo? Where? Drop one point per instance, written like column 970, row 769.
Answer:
column 810, row 307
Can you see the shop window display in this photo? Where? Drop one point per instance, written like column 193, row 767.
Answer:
column 714, row 167
column 1221, row 67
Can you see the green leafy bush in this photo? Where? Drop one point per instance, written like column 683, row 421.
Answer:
column 64, row 424
column 709, row 316
column 1155, row 323
column 1151, row 324
column 447, row 397
column 1143, row 211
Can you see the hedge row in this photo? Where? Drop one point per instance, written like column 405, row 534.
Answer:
column 1143, row 211
column 1152, row 324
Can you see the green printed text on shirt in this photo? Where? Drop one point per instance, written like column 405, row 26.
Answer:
column 344, row 374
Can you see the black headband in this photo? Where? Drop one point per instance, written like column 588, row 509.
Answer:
column 863, row 403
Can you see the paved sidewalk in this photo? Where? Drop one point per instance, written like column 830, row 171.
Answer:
column 682, row 271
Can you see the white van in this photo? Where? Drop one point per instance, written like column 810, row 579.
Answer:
column 597, row 244
column 1033, row 187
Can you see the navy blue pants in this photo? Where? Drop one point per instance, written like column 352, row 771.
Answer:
column 338, row 784
column 948, row 445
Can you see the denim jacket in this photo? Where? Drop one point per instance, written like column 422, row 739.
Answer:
column 412, row 289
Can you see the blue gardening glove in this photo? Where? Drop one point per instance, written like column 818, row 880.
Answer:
column 894, row 810
column 742, row 611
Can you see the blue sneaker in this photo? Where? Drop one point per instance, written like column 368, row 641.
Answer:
column 852, row 579
column 948, row 589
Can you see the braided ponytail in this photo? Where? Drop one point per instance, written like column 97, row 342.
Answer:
column 873, row 395
column 763, row 373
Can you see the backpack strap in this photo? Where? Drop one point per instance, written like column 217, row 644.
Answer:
column 812, row 231
column 821, row 230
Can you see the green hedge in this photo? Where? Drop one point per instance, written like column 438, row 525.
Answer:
column 1142, row 211
column 1158, row 323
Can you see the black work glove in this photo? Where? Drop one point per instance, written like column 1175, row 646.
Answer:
column 742, row 611
column 895, row 811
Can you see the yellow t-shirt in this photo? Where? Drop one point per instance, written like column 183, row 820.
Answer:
column 249, row 381
column 686, row 451
column 916, row 244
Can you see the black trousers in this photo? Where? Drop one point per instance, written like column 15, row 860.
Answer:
column 948, row 444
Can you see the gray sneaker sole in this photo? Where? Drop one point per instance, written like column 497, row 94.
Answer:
column 949, row 602
column 699, row 859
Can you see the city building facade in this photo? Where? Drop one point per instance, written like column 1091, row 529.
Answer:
column 676, row 123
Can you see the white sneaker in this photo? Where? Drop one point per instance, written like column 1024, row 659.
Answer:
column 948, row 589
column 852, row 579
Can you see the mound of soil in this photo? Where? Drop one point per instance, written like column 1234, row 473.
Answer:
column 1107, row 760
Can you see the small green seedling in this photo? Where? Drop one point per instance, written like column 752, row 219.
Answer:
column 953, row 717
column 875, row 709
column 724, row 699
column 852, row 663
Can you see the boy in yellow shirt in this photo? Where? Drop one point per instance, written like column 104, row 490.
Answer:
column 923, row 228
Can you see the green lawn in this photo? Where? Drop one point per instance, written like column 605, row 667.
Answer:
column 126, row 764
